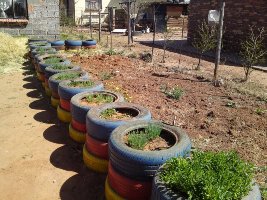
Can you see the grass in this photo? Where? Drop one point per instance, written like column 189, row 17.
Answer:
column 113, row 113
column 68, row 76
column 60, row 67
column 81, row 83
column 260, row 111
column 112, row 52
column 209, row 176
column 174, row 93
column 138, row 139
column 99, row 98
column 105, row 76
column 52, row 60
column 12, row 51
column 42, row 51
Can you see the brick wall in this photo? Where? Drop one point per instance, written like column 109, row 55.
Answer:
column 239, row 14
column 43, row 21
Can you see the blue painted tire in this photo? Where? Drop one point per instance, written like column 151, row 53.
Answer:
column 79, row 110
column 53, row 82
column 58, row 43
column 49, row 71
column 66, row 92
column 37, row 57
column 143, row 165
column 89, row 43
column 43, row 65
column 73, row 43
column 101, row 129
column 160, row 191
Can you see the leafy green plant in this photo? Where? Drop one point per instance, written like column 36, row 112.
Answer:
column 88, row 83
column 112, row 52
column 260, row 111
column 112, row 113
column 139, row 138
column 230, row 104
column 209, row 176
column 68, row 76
column 108, row 113
column 60, row 67
column 52, row 60
column 99, row 98
column 174, row 93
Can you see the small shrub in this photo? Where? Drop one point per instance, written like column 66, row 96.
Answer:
column 81, row 83
column 68, row 76
column 52, row 60
column 209, row 176
column 138, row 139
column 260, row 111
column 108, row 113
column 230, row 104
column 99, row 98
column 174, row 93
column 106, row 76
column 112, row 52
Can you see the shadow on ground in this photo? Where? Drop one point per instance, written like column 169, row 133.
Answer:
column 57, row 134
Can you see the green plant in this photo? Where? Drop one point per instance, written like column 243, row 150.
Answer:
column 111, row 52
column 81, row 83
column 106, row 76
column 230, row 104
column 260, row 111
column 99, row 98
column 139, row 138
column 209, row 176
column 68, row 76
column 52, row 60
column 253, row 50
column 174, row 93
column 60, row 67
column 108, row 113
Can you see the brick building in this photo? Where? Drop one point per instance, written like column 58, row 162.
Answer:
column 239, row 15
column 34, row 18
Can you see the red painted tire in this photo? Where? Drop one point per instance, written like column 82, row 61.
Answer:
column 128, row 188
column 55, row 95
column 46, row 82
column 65, row 104
column 42, row 76
column 96, row 147
column 78, row 126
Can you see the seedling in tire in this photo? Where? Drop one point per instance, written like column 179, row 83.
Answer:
column 112, row 113
column 81, row 83
column 53, row 60
column 99, row 98
column 60, row 67
column 68, row 76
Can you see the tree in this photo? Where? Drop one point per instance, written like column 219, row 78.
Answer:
column 205, row 41
column 252, row 50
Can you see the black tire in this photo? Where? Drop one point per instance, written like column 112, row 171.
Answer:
column 67, row 92
column 142, row 165
column 162, row 192
column 53, row 82
column 49, row 71
column 79, row 111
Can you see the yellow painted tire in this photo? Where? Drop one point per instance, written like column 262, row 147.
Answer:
column 63, row 115
column 54, row 102
column 38, row 76
column 43, row 84
column 111, row 194
column 94, row 163
column 48, row 92
column 76, row 135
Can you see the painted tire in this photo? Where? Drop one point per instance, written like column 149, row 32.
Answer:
column 43, row 65
column 46, row 49
column 54, row 102
column 59, row 48
column 39, row 76
column 34, row 45
column 58, row 43
column 67, row 92
column 49, row 71
column 65, row 104
column 142, row 165
column 73, row 43
column 162, row 192
column 128, row 188
column 89, row 43
column 63, row 115
column 97, row 147
column 78, row 126
column 94, row 163
column 53, row 82
column 46, row 82
column 48, row 92
column 110, row 194
column 77, row 136
column 101, row 129
column 55, row 94
column 79, row 111
column 43, row 85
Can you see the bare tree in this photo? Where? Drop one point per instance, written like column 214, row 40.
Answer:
column 253, row 50
column 205, row 41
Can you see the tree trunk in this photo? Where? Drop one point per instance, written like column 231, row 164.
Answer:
column 199, row 62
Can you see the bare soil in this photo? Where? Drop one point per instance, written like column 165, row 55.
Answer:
column 157, row 144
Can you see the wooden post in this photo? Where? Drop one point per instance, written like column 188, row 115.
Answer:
column 219, row 44
column 154, row 32
column 91, row 34
column 183, row 28
column 99, row 25
column 129, row 21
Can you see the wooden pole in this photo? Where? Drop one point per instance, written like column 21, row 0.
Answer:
column 219, row 44
column 183, row 28
column 91, row 34
column 99, row 25
column 129, row 21
column 154, row 33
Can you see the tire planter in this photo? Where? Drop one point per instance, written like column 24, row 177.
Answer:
column 142, row 165
column 110, row 194
column 43, row 65
column 48, row 92
column 50, row 71
column 79, row 110
column 35, row 45
column 63, row 115
column 160, row 191
column 73, row 44
column 66, row 92
column 58, row 44
column 89, row 44
column 54, row 101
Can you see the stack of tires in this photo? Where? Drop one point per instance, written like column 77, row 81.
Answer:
column 73, row 44
column 67, row 89
column 55, row 79
column 95, row 152
column 131, row 171
column 40, row 51
column 58, row 45
column 79, row 109
column 89, row 44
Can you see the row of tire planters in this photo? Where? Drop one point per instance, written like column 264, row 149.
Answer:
column 131, row 171
column 37, row 44
column 100, row 122
column 63, row 75
column 161, row 191
column 58, row 45
column 53, row 61
column 80, row 105
column 40, row 51
column 67, row 89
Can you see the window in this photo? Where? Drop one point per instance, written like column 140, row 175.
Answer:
column 13, row 9
column 93, row 4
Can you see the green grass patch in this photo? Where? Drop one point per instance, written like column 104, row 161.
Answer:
column 260, row 111
column 52, row 60
column 81, row 83
column 68, row 76
column 173, row 93
column 209, row 176
column 139, row 138
column 60, row 67
column 99, row 98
